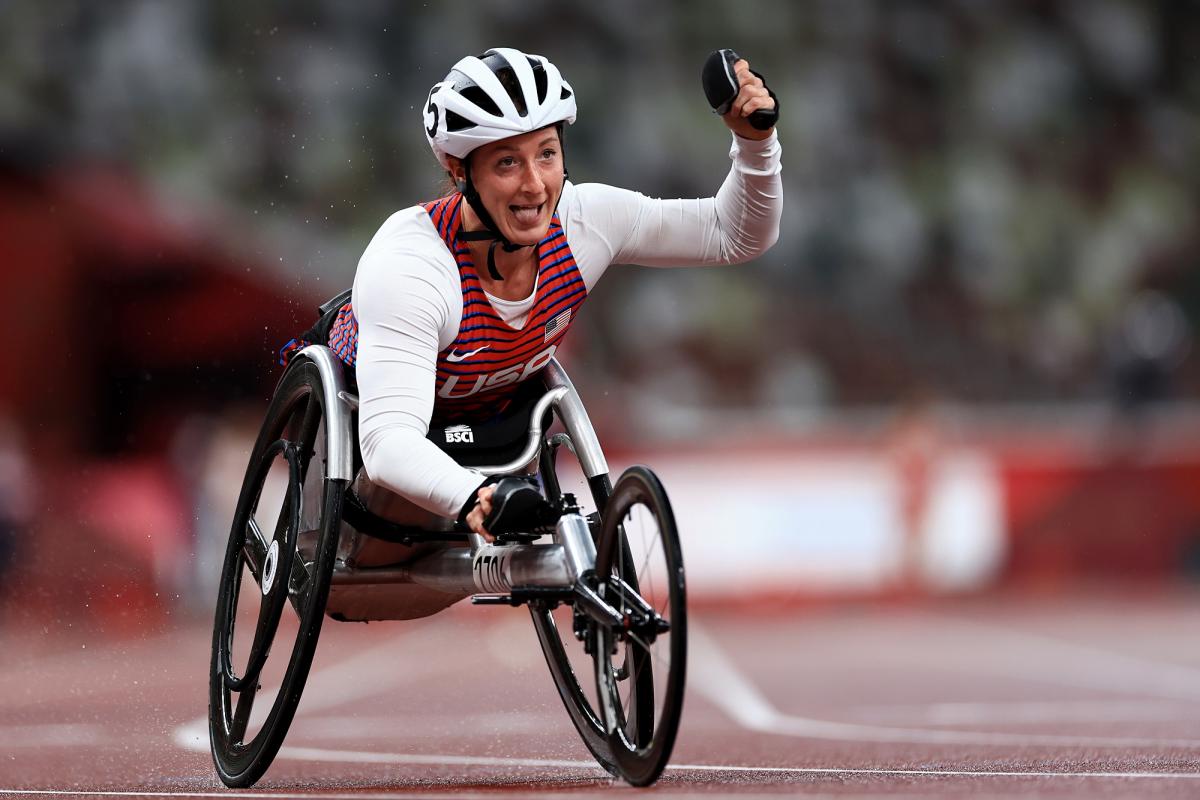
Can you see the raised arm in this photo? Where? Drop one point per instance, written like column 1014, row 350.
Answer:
column 738, row 224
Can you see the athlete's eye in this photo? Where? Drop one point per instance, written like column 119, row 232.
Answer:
column 506, row 161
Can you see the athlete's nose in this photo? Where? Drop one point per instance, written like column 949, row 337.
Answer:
column 531, row 181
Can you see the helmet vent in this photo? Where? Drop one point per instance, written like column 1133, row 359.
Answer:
column 539, row 79
column 457, row 122
column 508, row 79
column 480, row 98
column 565, row 93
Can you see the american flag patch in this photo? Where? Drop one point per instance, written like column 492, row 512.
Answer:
column 557, row 325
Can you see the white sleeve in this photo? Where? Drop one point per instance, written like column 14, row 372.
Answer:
column 408, row 308
column 609, row 225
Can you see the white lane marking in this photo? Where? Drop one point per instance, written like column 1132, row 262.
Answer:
column 185, row 737
column 359, row 676
column 50, row 735
column 1017, row 712
column 352, row 679
column 734, row 695
column 1084, row 665
column 327, row 755
column 321, row 754
column 192, row 735
column 437, row 759
column 730, row 691
column 408, row 724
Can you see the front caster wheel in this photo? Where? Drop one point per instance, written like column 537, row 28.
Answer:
column 641, row 666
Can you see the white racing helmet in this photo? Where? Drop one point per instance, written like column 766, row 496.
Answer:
column 486, row 98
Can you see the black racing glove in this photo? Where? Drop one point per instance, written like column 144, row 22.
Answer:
column 517, row 507
column 721, row 87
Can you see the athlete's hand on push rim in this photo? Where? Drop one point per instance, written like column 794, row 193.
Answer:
column 751, row 97
column 479, row 513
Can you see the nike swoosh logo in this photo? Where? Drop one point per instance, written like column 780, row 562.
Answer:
column 454, row 357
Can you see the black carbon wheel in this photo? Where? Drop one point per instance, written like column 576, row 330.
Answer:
column 641, row 668
column 284, row 539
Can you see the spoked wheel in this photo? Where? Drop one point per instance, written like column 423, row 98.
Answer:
column 274, row 582
column 640, row 668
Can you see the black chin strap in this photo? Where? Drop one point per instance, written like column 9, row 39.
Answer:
column 497, row 241
column 490, row 230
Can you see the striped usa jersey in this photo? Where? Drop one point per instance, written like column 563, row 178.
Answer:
column 479, row 372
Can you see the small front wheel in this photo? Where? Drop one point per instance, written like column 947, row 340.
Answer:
column 641, row 666
column 567, row 636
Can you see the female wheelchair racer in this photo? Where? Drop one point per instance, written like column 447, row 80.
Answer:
column 447, row 373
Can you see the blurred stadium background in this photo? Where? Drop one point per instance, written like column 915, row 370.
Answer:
column 968, row 364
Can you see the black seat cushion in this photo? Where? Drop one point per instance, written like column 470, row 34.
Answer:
column 498, row 440
column 485, row 444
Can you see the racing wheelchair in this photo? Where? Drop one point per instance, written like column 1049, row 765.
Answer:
column 605, row 590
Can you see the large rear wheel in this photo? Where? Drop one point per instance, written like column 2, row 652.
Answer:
column 274, row 582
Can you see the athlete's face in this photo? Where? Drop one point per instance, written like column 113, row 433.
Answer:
column 519, row 180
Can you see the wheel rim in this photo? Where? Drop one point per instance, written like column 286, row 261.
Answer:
column 276, row 560
column 640, row 670
column 246, row 732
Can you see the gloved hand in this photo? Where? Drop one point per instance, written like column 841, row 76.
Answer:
column 510, row 505
column 746, row 105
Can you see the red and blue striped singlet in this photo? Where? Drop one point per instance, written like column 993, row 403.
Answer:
column 479, row 372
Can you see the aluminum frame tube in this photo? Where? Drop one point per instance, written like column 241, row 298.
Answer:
column 576, row 421
column 492, row 568
column 339, row 450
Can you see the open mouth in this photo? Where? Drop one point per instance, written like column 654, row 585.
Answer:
column 527, row 215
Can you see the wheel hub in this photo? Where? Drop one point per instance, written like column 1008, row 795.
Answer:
column 270, row 567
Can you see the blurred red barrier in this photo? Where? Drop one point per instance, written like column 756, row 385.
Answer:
column 1124, row 519
column 107, row 552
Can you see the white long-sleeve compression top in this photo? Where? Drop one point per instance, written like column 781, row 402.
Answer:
column 408, row 300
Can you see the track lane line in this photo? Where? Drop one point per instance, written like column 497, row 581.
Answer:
column 727, row 688
column 738, row 698
column 51, row 734
column 977, row 713
column 439, row 759
column 488, row 761
column 1088, row 665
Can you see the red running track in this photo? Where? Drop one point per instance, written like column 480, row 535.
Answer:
column 1081, row 696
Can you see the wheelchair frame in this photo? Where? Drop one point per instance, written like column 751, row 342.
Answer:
column 481, row 567
column 589, row 566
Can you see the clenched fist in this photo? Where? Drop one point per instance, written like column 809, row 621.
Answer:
column 752, row 95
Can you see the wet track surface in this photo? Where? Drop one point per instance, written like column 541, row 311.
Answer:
column 1084, row 696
